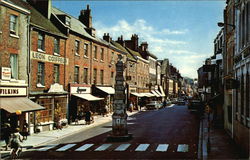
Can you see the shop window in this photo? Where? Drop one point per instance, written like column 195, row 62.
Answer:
column 85, row 50
column 60, row 108
column 44, row 115
column 85, row 75
column 76, row 74
column 56, row 73
column 40, row 73
column 56, row 46
column 14, row 66
column 41, row 42
column 77, row 47
column 13, row 24
column 95, row 76
column 102, row 76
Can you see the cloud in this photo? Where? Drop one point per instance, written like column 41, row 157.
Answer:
column 160, row 44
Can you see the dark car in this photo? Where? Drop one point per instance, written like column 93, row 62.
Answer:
column 194, row 104
column 154, row 105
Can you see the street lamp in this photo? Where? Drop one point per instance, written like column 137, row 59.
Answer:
column 221, row 24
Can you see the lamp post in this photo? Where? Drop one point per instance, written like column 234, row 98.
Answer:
column 221, row 24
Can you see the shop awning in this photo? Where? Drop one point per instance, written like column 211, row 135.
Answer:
column 162, row 92
column 136, row 94
column 24, row 104
column 88, row 97
column 149, row 94
column 157, row 95
column 108, row 90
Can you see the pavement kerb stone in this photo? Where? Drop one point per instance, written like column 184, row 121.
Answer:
column 106, row 120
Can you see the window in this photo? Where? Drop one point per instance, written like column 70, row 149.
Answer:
column 76, row 74
column 67, row 21
column 86, row 50
column 247, row 95
column 40, row 73
column 113, row 57
column 13, row 24
column 112, row 75
column 77, row 47
column 95, row 76
column 101, row 76
column 56, row 46
column 248, row 22
column 41, row 41
column 14, row 66
column 242, row 95
column 56, row 73
column 95, row 52
column 102, row 54
column 85, row 75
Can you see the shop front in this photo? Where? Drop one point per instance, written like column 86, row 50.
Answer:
column 15, row 106
column 55, row 103
column 106, row 92
column 81, row 100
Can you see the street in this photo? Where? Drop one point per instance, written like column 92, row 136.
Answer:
column 170, row 132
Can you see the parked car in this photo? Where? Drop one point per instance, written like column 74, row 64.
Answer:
column 194, row 104
column 181, row 101
column 174, row 100
column 154, row 105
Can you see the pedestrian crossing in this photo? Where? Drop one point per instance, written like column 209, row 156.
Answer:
column 114, row 147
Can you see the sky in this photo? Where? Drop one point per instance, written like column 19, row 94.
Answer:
column 182, row 31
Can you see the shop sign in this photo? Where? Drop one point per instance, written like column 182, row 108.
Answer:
column 13, row 91
column 55, row 88
column 80, row 90
column 48, row 58
column 5, row 73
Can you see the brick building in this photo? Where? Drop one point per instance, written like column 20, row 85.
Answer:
column 15, row 106
column 47, row 67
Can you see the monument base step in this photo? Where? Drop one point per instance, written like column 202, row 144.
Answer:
column 113, row 138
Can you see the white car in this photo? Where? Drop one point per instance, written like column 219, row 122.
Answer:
column 154, row 105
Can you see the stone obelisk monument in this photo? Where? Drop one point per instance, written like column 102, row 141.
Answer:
column 119, row 117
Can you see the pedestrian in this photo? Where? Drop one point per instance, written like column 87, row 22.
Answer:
column 87, row 117
column 131, row 107
column 6, row 134
column 16, row 139
column 25, row 130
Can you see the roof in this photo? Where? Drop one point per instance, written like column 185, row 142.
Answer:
column 123, row 49
column 38, row 20
column 134, row 53
column 78, row 27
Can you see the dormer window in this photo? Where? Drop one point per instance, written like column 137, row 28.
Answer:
column 67, row 21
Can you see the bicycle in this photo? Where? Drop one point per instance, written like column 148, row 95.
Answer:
column 15, row 152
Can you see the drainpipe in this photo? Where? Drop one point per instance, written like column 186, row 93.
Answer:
column 90, row 56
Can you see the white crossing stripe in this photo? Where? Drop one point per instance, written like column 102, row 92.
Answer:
column 182, row 148
column 84, row 147
column 103, row 147
column 142, row 147
column 162, row 147
column 122, row 147
column 66, row 147
column 47, row 147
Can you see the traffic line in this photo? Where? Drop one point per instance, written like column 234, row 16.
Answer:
column 66, row 147
column 182, row 148
column 162, row 147
column 103, row 147
column 142, row 147
column 84, row 147
column 122, row 147
column 47, row 147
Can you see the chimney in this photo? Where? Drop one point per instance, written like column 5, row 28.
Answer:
column 144, row 46
column 106, row 37
column 134, row 40
column 85, row 17
column 43, row 6
column 121, row 41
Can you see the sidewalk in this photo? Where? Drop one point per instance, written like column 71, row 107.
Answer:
column 216, row 143
column 50, row 136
